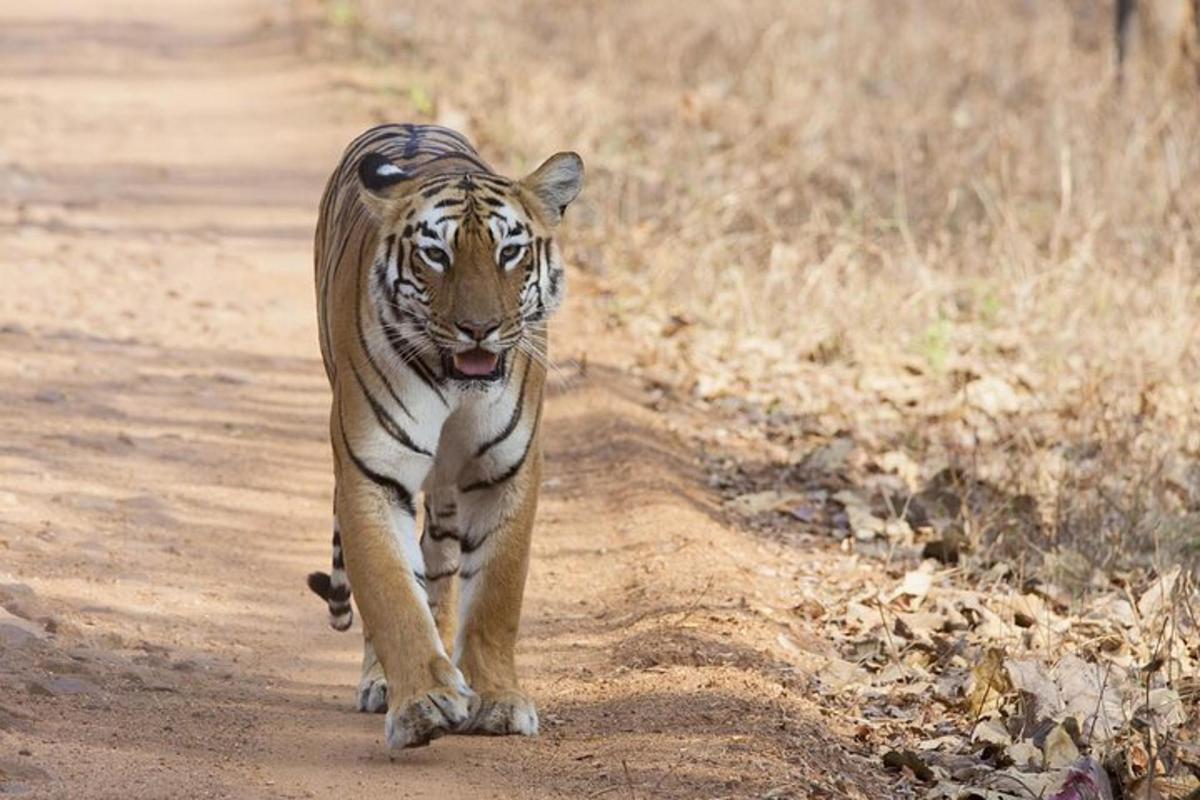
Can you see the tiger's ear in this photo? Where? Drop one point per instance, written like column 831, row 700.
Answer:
column 555, row 184
column 377, row 181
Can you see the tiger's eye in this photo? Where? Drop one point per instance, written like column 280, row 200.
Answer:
column 436, row 255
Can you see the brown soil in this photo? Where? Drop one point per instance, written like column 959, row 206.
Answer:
column 166, row 476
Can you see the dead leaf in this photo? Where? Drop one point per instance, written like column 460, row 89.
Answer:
column 1156, row 598
column 1059, row 749
column 916, row 585
column 1032, row 679
column 989, row 683
column 991, row 731
column 1093, row 695
column 1024, row 754
column 837, row 675
column 1163, row 710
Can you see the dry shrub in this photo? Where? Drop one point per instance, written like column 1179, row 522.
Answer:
column 812, row 198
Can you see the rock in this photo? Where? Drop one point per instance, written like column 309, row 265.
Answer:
column 13, row 636
column 17, row 632
column 18, row 599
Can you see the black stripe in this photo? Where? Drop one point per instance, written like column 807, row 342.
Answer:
column 516, row 416
column 365, row 141
column 339, row 593
column 474, row 160
column 441, row 534
column 362, row 342
column 435, row 186
column 401, row 279
column 338, row 562
column 381, row 269
column 412, row 147
column 491, row 179
column 414, row 363
column 400, row 495
column 488, row 483
column 386, row 420
column 470, row 546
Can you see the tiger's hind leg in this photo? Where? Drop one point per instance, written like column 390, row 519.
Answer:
column 372, row 686
column 334, row 587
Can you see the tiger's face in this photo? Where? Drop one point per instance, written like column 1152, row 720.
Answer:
column 467, row 267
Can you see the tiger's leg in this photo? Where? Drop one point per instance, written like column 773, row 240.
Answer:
column 497, row 522
column 426, row 694
column 372, row 686
column 440, row 547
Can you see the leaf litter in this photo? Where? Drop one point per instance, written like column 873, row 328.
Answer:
column 981, row 658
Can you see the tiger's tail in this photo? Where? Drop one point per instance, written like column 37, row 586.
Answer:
column 334, row 587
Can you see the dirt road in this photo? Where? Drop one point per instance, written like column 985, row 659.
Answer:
column 165, row 477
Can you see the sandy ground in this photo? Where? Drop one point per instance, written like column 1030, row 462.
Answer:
column 165, row 477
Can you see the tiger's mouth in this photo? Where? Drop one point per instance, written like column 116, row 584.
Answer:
column 475, row 364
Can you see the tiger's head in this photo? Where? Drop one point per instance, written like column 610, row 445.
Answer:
column 466, row 266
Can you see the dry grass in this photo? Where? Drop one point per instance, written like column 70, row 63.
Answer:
column 942, row 226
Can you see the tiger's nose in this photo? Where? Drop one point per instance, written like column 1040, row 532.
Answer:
column 477, row 330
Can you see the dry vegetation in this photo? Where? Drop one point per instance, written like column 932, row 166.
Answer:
column 865, row 213
column 926, row 270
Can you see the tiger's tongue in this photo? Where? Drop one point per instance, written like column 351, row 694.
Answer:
column 475, row 362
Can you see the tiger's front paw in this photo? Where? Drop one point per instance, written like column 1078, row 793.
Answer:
column 423, row 717
column 502, row 713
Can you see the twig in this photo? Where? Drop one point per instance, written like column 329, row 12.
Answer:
column 687, row 612
column 892, row 651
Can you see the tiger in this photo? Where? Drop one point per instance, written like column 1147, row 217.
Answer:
column 435, row 280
